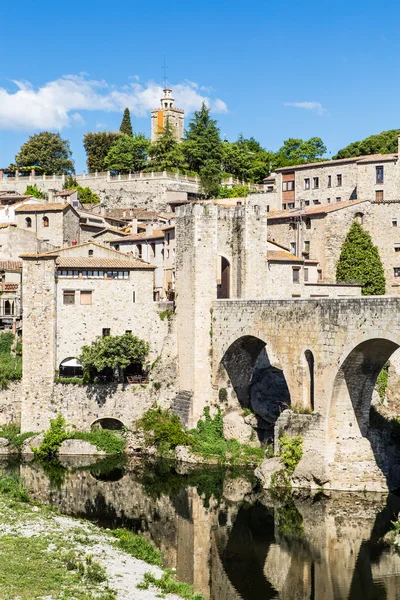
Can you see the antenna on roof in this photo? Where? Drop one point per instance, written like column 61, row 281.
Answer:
column 165, row 72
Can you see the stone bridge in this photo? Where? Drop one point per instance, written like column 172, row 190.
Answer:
column 331, row 352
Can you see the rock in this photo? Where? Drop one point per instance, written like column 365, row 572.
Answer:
column 236, row 428
column 376, row 399
column 79, row 447
column 135, row 441
column 267, row 468
column 5, row 447
column 32, row 442
column 311, row 471
column 234, row 490
column 184, row 454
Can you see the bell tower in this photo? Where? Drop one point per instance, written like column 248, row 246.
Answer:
column 175, row 116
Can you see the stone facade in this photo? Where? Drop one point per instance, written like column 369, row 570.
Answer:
column 168, row 112
column 56, row 226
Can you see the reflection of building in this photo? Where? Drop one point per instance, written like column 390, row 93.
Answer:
column 175, row 117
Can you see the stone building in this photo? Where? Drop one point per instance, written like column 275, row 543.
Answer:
column 168, row 112
column 54, row 223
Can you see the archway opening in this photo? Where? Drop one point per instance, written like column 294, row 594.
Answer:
column 71, row 367
column 309, row 357
column 256, row 379
column 7, row 307
column 224, row 278
column 110, row 423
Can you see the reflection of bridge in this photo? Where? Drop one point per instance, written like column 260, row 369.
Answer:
column 330, row 350
column 321, row 548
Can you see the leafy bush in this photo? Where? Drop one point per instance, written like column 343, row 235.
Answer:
column 168, row 313
column 33, row 190
column 291, row 451
column 12, row 432
column 382, row 381
column 67, row 380
column 163, row 429
column 53, row 438
column 10, row 366
column 103, row 439
column 137, row 546
column 222, row 395
column 237, row 191
column 13, row 487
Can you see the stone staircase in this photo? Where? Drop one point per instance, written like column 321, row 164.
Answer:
column 181, row 406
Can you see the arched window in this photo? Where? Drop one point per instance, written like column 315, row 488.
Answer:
column 359, row 218
column 116, row 247
column 7, row 307
column 71, row 367
column 310, row 363
column 45, row 221
column 28, row 222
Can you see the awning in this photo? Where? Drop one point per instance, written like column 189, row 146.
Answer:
column 71, row 362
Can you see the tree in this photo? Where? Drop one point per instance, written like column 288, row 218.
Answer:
column 85, row 194
column 382, row 143
column 203, row 142
column 33, row 190
column 126, row 125
column 97, row 145
column 48, row 151
column 297, row 151
column 360, row 262
column 246, row 159
column 210, row 177
column 113, row 352
column 128, row 154
column 166, row 153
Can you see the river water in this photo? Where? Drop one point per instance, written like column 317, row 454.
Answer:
column 227, row 537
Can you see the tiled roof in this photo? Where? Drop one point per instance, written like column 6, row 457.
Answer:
column 85, row 245
column 341, row 161
column 113, row 230
column 320, row 209
column 10, row 265
column 96, row 262
column 65, row 193
column 155, row 234
column 282, row 256
column 50, row 207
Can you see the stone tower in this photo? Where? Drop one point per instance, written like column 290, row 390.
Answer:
column 207, row 237
column 168, row 111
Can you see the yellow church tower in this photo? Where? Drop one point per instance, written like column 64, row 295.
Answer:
column 175, row 116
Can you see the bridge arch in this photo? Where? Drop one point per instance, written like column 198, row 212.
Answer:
column 108, row 423
column 353, row 387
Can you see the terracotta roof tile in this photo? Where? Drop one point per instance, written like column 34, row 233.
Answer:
column 96, row 262
column 65, row 193
column 50, row 207
column 282, row 256
column 10, row 265
column 155, row 234
column 320, row 209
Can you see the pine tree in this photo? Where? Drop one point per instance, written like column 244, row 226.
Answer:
column 166, row 154
column 126, row 125
column 360, row 262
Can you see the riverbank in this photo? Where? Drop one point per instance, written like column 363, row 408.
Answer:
column 46, row 555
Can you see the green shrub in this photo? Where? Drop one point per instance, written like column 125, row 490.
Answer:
column 67, row 380
column 53, row 438
column 300, row 409
column 168, row 585
column 163, row 429
column 12, row 432
column 10, row 365
column 222, row 395
column 157, row 385
column 95, row 572
column 13, row 487
column 168, row 313
column 137, row 546
column 382, row 381
column 104, row 439
column 33, row 190
column 291, row 451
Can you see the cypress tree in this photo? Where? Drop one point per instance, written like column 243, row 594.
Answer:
column 126, row 125
column 360, row 262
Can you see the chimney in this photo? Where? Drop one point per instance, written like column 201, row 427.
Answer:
column 149, row 228
column 50, row 195
column 134, row 226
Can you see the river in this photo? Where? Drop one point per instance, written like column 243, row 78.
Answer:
column 229, row 538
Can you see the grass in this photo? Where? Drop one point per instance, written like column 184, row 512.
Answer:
column 168, row 585
column 103, row 439
column 12, row 433
column 137, row 546
column 10, row 364
column 13, row 487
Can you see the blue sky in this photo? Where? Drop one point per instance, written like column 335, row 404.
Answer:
column 268, row 70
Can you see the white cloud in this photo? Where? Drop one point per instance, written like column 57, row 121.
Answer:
column 59, row 103
column 313, row 106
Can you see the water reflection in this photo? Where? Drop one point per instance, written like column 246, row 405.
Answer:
column 231, row 540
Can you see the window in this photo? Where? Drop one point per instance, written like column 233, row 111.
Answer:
column 396, row 272
column 290, row 205
column 379, row 196
column 316, row 202
column 116, row 247
column 319, row 271
column 338, row 180
column 128, row 330
column 397, row 247
column 69, row 296
column 86, row 297
column 394, row 222
column 283, row 206
column 308, row 223
column 328, row 200
column 338, row 199
column 307, row 203
column 379, row 174
column 306, row 247
column 290, row 186
column 329, row 180
column 133, row 296
column 45, row 221
column 284, row 186
column 307, row 183
column 296, row 274
column 106, row 331
column 359, row 218
column 293, row 248
column 139, row 250
column 292, row 225
column 315, row 183
column 305, row 274
column 28, row 222
column 153, row 249
column 90, row 252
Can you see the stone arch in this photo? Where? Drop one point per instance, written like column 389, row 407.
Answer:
column 224, row 277
column 70, row 367
column 108, row 423
column 353, row 387
column 257, row 383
